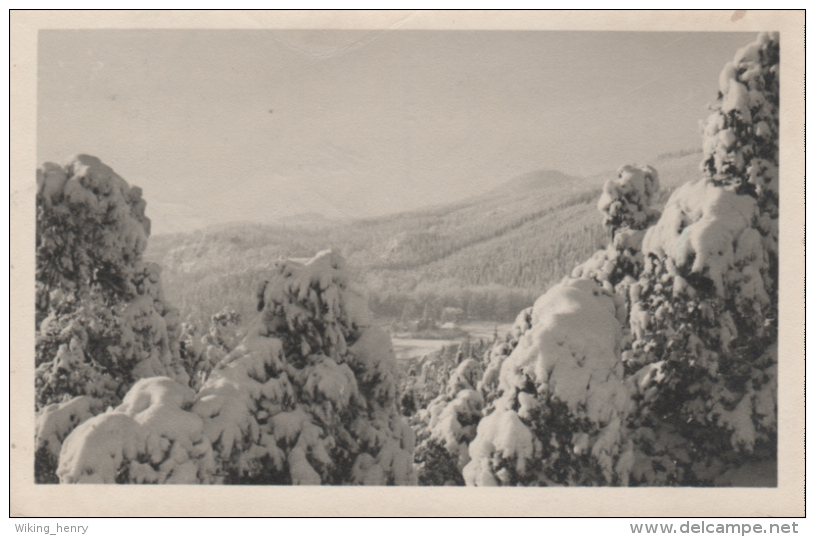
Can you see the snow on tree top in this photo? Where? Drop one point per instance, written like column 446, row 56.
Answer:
column 627, row 198
column 302, row 291
column 85, row 180
column 87, row 207
column 741, row 135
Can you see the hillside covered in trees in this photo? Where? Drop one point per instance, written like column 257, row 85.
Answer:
column 489, row 255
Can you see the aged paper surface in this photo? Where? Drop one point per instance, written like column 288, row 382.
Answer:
column 28, row 499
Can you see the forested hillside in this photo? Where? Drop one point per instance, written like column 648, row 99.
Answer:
column 489, row 255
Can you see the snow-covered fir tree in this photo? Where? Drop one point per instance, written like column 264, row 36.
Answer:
column 704, row 314
column 628, row 208
column 201, row 353
column 101, row 318
column 563, row 403
column 692, row 296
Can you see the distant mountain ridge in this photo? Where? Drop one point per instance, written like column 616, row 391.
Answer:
column 308, row 219
column 540, row 179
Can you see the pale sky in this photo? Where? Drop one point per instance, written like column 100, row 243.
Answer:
column 229, row 125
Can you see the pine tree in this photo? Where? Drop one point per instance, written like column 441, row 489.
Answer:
column 704, row 314
column 101, row 318
column 741, row 135
column 562, row 403
column 689, row 295
column 627, row 206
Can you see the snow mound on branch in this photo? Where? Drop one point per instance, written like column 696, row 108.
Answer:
column 465, row 377
column 565, row 359
column 227, row 400
column 450, row 421
column 757, row 410
column 501, row 436
column 627, row 199
column 150, row 438
column 69, row 373
column 488, row 385
column 623, row 257
column 626, row 204
column 709, row 231
column 569, row 355
column 371, row 356
column 56, row 421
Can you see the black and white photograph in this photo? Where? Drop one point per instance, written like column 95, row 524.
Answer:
column 412, row 255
